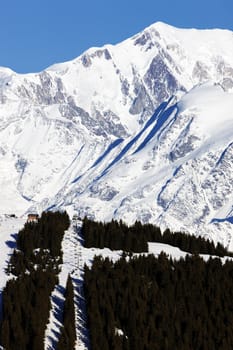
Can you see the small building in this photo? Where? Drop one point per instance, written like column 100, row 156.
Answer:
column 32, row 217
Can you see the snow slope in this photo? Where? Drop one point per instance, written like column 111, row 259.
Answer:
column 176, row 172
column 139, row 130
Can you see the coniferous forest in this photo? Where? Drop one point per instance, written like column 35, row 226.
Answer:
column 118, row 236
column 156, row 303
column 139, row 302
column 35, row 265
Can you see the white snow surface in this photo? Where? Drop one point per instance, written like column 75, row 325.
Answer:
column 82, row 135
column 212, row 108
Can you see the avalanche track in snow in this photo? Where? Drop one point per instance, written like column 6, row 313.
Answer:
column 73, row 266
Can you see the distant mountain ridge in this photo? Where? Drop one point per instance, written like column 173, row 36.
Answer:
column 137, row 131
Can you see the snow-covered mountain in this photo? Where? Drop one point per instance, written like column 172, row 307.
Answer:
column 141, row 130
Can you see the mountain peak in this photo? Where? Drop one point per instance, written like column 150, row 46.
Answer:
column 138, row 130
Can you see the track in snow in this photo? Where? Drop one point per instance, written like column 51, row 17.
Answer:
column 82, row 334
column 73, row 265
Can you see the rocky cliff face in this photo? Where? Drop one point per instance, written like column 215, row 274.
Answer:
column 140, row 130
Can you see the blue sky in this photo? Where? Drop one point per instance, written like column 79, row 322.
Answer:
column 34, row 34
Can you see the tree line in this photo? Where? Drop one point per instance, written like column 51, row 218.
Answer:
column 136, row 303
column 26, row 297
column 159, row 303
column 47, row 233
column 119, row 236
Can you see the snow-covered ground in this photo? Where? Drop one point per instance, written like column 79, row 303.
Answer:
column 176, row 253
